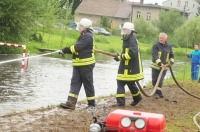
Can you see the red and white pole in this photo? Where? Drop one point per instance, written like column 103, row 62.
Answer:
column 23, row 52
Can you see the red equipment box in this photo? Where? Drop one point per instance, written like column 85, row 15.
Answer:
column 134, row 121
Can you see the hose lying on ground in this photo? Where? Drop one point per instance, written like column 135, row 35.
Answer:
column 195, row 120
column 193, row 95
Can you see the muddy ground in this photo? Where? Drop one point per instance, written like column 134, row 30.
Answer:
column 179, row 111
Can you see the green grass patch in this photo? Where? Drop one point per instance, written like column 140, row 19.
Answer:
column 63, row 38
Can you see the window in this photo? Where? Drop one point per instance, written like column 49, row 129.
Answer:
column 138, row 14
column 171, row 3
column 193, row 5
column 179, row 3
column 148, row 16
column 186, row 3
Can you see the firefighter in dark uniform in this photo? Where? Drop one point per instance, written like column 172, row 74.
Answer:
column 162, row 54
column 83, row 64
column 130, row 68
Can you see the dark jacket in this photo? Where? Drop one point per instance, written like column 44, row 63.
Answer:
column 83, row 50
column 130, row 68
column 161, row 54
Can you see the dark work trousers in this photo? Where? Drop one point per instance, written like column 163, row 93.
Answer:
column 155, row 74
column 121, row 90
column 82, row 75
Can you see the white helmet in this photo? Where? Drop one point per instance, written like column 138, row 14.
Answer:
column 87, row 23
column 128, row 25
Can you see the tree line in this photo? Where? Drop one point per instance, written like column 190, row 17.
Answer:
column 20, row 18
column 181, row 32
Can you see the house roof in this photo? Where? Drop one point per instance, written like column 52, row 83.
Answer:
column 111, row 8
column 156, row 6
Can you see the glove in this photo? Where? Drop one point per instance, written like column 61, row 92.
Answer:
column 61, row 53
column 159, row 64
column 116, row 58
column 171, row 63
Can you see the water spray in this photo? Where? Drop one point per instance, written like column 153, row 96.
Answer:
column 36, row 56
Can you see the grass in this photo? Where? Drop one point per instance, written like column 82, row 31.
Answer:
column 61, row 39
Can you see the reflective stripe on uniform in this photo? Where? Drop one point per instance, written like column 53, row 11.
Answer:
column 91, row 98
column 172, row 59
column 73, row 95
column 155, row 66
column 119, row 57
column 167, row 59
column 72, row 49
column 136, row 94
column 158, row 88
column 157, row 61
column 140, row 63
column 159, row 54
column 120, row 95
column 127, row 56
column 130, row 77
column 84, row 62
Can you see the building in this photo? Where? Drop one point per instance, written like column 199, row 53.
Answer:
column 150, row 12
column 188, row 6
column 118, row 11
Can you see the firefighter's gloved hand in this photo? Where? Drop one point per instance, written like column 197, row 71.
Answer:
column 171, row 63
column 116, row 58
column 159, row 64
column 60, row 52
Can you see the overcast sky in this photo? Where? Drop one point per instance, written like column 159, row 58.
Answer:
column 150, row 1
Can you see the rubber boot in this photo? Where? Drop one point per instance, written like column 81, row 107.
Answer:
column 158, row 94
column 70, row 104
column 137, row 100
column 120, row 102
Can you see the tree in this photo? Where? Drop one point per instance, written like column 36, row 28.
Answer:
column 19, row 17
column 75, row 4
column 105, row 21
column 146, row 31
column 188, row 34
column 169, row 21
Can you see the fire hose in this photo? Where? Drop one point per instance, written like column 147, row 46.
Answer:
column 137, row 82
column 195, row 120
column 159, row 77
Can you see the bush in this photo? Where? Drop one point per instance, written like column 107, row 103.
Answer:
column 169, row 21
column 116, row 32
column 146, row 32
column 188, row 34
column 105, row 21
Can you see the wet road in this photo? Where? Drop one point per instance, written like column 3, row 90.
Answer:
column 47, row 82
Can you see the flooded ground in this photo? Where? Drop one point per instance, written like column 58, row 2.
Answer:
column 47, row 82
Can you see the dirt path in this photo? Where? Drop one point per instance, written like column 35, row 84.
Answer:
column 179, row 111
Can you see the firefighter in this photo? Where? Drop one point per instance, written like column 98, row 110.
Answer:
column 83, row 60
column 162, row 54
column 195, row 62
column 130, row 68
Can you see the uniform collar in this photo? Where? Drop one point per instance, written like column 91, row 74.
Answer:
column 127, row 36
